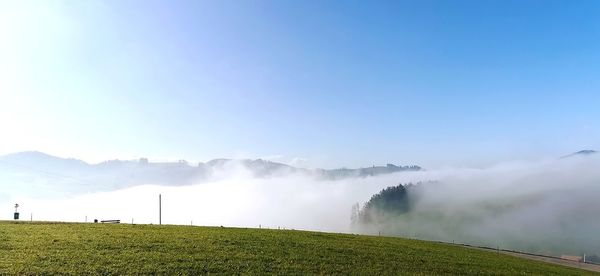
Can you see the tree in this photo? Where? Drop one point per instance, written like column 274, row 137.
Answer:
column 389, row 202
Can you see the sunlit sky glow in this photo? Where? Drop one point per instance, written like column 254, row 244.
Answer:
column 314, row 83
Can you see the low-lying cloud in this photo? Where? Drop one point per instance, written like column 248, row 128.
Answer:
column 233, row 198
column 548, row 206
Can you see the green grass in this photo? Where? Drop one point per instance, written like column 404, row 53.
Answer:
column 48, row 248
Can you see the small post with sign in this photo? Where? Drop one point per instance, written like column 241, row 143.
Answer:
column 16, row 211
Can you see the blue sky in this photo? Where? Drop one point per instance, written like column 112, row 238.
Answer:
column 316, row 83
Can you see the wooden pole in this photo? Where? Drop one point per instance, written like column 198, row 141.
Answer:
column 159, row 209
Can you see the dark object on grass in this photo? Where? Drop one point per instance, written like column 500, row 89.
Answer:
column 111, row 221
column 16, row 211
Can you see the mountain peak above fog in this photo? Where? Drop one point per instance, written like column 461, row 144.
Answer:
column 581, row 153
column 29, row 155
column 586, row 152
column 39, row 158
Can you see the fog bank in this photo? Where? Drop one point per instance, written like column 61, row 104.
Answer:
column 548, row 206
column 294, row 201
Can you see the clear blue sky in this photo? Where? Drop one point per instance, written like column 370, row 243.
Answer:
column 337, row 83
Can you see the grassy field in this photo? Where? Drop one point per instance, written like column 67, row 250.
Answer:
column 44, row 248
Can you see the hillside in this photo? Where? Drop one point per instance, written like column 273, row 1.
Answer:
column 36, row 173
column 414, row 211
column 46, row 248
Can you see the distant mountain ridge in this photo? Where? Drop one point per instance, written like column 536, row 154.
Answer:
column 581, row 153
column 20, row 170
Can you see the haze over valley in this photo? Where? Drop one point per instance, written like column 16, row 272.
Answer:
column 529, row 206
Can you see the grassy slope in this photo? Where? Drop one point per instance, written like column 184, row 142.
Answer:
column 96, row 248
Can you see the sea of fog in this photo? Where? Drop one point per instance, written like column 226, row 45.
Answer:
column 295, row 201
column 512, row 203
